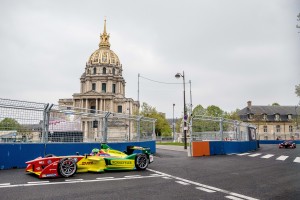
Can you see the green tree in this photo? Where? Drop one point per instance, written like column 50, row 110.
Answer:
column 234, row 115
column 275, row 104
column 9, row 124
column 297, row 89
column 162, row 127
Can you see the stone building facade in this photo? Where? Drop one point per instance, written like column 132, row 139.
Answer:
column 102, row 86
column 273, row 122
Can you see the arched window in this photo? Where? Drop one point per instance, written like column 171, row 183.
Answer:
column 114, row 71
column 104, row 70
column 94, row 70
column 291, row 129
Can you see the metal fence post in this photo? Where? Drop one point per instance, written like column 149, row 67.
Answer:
column 105, row 126
column 221, row 128
column 139, row 128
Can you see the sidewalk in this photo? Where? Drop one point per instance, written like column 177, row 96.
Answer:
column 171, row 147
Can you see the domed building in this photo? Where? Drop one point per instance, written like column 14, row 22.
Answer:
column 102, row 86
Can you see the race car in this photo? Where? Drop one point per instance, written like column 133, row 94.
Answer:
column 99, row 160
column 287, row 144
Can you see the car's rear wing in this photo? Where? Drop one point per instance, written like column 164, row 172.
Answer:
column 131, row 149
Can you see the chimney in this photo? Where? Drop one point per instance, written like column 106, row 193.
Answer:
column 249, row 104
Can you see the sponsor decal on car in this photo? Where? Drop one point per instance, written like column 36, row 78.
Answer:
column 41, row 162
column 122, row 162
column 49, row 175
column 87, row 163
column 49, row 162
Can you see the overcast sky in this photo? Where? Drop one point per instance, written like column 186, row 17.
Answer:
column 231, row 50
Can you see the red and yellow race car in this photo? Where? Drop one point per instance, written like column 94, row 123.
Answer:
column 99, row 160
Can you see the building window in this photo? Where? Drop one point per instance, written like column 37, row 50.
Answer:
column 250, row 116
column 94, row 70
column 289, row 117
column 104, row 87
column 276, row 117
column 290, row 129
column 104, row 70
column 114, row 71
column 114, row 88
column 265, row 129
column 95, row 124
column 278, row 128
column 119, row 109
column 265, row 117
column 93, row 109
column 94, row 86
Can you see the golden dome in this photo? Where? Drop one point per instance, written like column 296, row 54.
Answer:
column 104, row 55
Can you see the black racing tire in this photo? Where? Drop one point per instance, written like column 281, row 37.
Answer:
column 67, row 167
column 49, row 155
column 141, row 161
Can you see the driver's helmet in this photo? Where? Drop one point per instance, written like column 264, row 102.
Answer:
column 95, row 151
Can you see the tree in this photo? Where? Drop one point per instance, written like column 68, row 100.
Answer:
column 162, row 127
column 9, row 124
column 298, row 16
column 297, row 88
column 275, row 104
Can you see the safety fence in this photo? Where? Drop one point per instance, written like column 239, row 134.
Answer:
column 23, row 121
column 220, row 129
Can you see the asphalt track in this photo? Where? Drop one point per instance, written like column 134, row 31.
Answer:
column 269, row 173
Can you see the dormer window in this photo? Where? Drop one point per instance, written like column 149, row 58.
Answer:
column 265, row 116
column 277, row 117
column 289, row 117
column 250, row 116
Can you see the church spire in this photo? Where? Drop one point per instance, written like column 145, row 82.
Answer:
column 104, row 38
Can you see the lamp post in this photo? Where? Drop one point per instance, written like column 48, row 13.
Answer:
column 178, row 75
column 173, row 124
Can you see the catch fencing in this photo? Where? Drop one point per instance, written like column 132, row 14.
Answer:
column 220, row 129
column 23, row 121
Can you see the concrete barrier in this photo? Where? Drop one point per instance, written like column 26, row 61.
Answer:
column 14, row 155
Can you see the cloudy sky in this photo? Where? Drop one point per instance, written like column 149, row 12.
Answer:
column 231, row 50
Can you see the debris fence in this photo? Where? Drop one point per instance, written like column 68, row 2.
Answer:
column 23, row 121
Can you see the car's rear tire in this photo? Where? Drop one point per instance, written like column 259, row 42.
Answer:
column 141, row 161
column 49, row 155
column 67, row 167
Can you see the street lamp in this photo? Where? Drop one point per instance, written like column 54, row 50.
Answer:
column 173, row 124
column 178, row 75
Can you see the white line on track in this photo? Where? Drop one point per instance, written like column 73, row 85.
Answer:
column 205, row 189
column 70, row 180
column 267, row 156
column 254, row 155
column 233, row 198
column 37, row 182
column 242, row 154
column 297, row 159
column 74, row 181
column 282, row 158
column 105, row 178
column 132, row 176
column 204, row 186
column 182, row 182
column 4, row 184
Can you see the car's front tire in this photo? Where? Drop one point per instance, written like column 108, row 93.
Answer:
column 141, row 161
column 67, row 167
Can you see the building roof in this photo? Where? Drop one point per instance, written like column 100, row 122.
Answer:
column 270, row 110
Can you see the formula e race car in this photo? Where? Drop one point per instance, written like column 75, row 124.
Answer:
column 99, row 160
column 287, row 144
